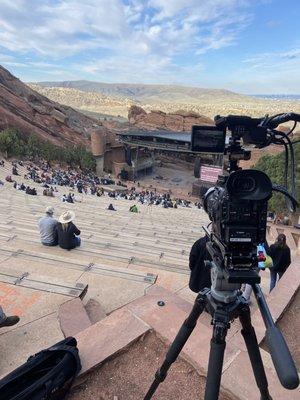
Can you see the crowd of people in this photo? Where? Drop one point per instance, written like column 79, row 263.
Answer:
column 87, row 183
column 151, row 197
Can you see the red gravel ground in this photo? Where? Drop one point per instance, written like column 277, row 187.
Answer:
column 128, row 376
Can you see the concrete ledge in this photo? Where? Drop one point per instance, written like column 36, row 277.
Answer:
column 107, row 337
column 154, row 294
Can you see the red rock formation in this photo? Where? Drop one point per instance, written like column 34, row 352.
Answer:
column 178, row 121
column 22, row 107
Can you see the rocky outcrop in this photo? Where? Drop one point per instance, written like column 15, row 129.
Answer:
column 177, row 121
column 22, row 107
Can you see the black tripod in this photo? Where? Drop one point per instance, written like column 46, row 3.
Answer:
column 222, row 314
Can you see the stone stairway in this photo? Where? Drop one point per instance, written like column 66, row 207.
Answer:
column 106, row 292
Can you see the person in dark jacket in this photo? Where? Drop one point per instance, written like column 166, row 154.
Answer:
column 281, row 256
column 200, row 273
column 67, row 232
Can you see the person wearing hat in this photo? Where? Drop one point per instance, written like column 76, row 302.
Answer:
column 67, row 232
column 47, row 227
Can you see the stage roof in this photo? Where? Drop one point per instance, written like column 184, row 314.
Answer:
column 167, row 135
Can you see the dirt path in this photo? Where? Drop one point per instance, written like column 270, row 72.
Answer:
column 128, row 377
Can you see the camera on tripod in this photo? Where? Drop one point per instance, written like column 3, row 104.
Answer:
column 237, row 205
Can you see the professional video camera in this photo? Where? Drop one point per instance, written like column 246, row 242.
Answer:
column 237, row 207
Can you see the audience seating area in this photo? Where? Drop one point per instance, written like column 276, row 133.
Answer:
column 107, row 288
column 122, row 254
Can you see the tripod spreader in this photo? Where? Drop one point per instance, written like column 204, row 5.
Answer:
column 281, row 356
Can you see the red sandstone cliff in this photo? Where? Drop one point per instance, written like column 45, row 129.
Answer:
column 177, row 121
column 22, row 107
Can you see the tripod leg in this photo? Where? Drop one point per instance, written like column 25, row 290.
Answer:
column 216, row 357
column 249, row 335
column 178, row 343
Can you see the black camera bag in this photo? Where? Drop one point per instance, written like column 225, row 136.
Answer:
column 47, row 375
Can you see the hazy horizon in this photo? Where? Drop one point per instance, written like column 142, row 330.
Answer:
column 164, row 84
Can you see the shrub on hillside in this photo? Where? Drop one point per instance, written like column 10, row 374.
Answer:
column 273, row 166
column 13, row 143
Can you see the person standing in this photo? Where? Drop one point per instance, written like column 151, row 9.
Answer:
column 47, row 227
column 200, row 276
column 67, row 232
column 281, row 256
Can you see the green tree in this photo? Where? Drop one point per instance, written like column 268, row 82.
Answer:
column 273, row 166
column 12, row 142
column 33, row 147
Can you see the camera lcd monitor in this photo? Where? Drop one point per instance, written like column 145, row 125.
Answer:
column 207, row 139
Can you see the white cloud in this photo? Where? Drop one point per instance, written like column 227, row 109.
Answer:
column 61, row 28
column 150, row 41
column 270, row 72
column 68, row 27
column 148, row 69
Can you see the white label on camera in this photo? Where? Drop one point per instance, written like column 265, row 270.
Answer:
column 240, row 239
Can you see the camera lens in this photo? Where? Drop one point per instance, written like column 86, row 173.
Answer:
column 244, row 184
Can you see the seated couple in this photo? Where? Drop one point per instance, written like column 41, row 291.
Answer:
column 62, row 232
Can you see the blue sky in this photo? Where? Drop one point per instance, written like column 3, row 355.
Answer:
column 248, row 46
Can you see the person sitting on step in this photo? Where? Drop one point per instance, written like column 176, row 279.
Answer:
column 111, row 208
column 47, row 226
column 134, row 209
column 67, row 232
column 14, row 171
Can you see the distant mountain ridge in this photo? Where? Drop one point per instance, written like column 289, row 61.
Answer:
column 146, row 93
column 278, row 96
column 116, row 98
